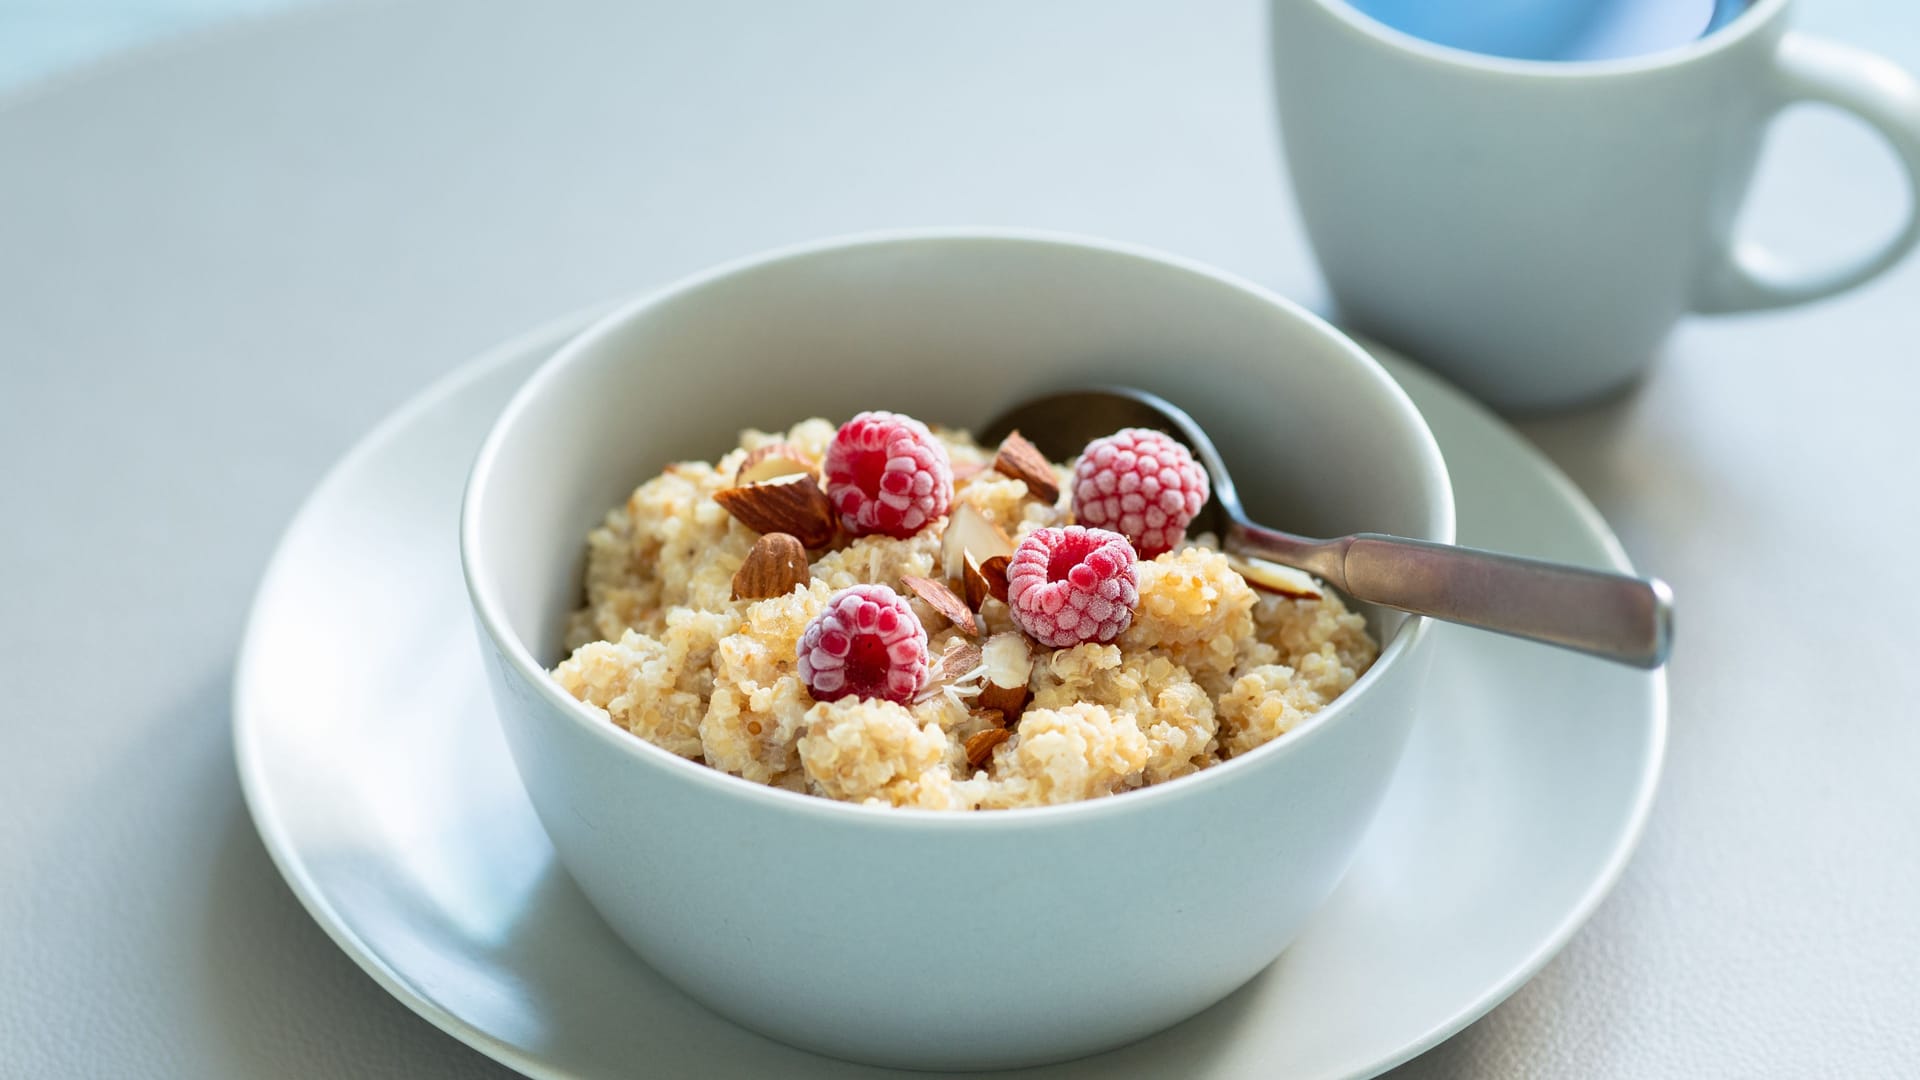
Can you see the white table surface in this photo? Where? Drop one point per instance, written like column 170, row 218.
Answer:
column 41, row 39
column 220, row 262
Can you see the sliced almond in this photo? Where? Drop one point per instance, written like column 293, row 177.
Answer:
column 972, row 582
column 772, row 460
column 980, row 580
column 1008, row 658
column 1023, row 461
column 964, row 471
column 961, row 659
column 969, row 530
column 994, row 570
column 1271, row 577
column 775, row 567
column 941, row 599
column 957, row 662
column 792, row 504
column 981, row 743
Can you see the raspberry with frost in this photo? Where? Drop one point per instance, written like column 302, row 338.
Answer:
column 1072, row 585
column 1141, row 484
column 886, row 473
column 866, row 643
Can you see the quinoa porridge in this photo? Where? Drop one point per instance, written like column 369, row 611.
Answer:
column 888, row 614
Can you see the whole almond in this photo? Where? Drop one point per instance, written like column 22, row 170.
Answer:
column 941, row 599
column 792, row 504
column 1023, row 461
column 775, row 567
column 981, row 743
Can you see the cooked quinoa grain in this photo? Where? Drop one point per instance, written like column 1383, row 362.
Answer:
column 1208, row 669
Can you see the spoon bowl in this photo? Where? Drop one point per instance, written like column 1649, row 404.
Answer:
column 1611, row 616
column 1062, row 424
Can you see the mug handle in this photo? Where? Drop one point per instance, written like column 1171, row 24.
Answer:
column 1877, row 91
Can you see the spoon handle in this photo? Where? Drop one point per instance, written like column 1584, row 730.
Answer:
column 1612, row 616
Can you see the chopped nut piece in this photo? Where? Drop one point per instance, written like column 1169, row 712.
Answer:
column 1023, row 461
column 1008, row 658
column 980, row 746
column 973, row 581
column 994, row 570
column 1271, row 577
column 942, row 599
column 960, row 662
column 969, row 530
column 983, row 579
column 772, row 460
column 792, row 504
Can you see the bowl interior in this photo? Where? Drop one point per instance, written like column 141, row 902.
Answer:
column 951, row 329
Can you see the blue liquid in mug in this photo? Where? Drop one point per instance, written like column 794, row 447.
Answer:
column 1556, row 29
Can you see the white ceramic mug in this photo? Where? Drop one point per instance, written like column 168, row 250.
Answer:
column 1534, row 229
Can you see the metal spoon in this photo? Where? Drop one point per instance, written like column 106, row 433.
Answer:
column 1611, row 616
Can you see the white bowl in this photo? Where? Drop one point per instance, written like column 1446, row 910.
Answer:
column 924, row 939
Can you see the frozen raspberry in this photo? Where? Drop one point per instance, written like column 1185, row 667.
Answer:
column 868, row 643
column 1072, row 585
column 886, row 473
column 1141, row 484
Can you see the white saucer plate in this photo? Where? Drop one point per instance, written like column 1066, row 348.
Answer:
column 378, row 779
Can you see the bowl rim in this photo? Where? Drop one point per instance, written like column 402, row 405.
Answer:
column 1411, row 636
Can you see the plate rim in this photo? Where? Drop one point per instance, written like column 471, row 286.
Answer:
column 555, row 332
column 1652, row 767
column 254, row 791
